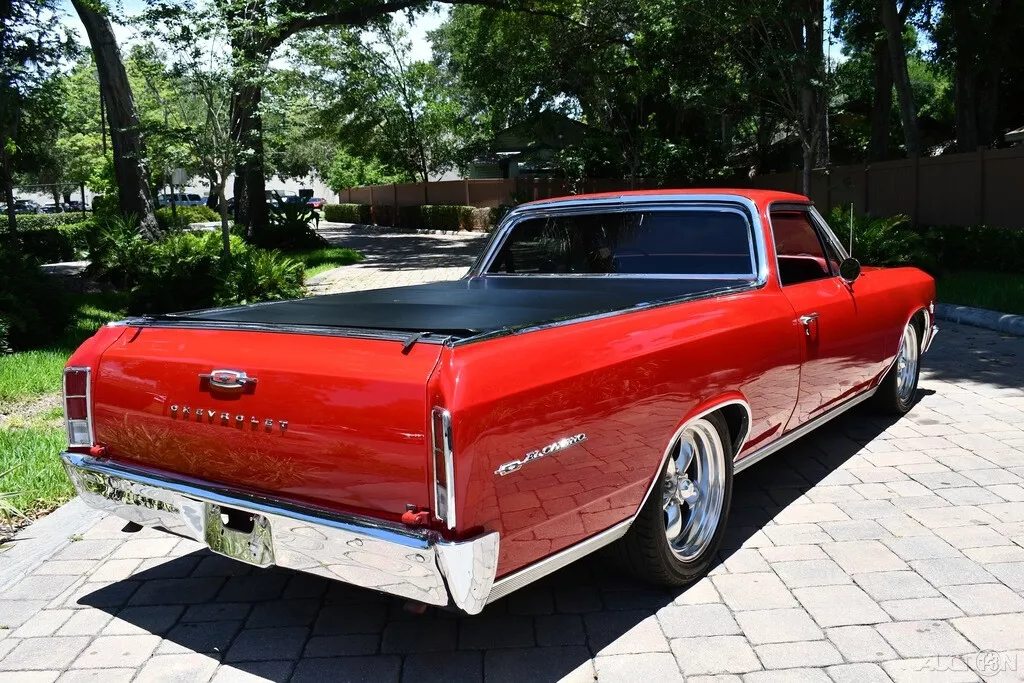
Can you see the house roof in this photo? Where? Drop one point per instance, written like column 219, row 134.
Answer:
column 548, row 129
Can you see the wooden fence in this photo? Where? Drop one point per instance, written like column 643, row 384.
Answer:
column 955, row 189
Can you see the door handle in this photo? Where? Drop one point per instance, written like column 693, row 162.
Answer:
column 806, row 321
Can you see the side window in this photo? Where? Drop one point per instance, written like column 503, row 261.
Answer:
column 800, row 254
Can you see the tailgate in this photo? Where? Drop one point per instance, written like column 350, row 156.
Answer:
column 328, row 420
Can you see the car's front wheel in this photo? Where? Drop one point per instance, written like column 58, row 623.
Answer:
column 674, row 538
column 897, row 390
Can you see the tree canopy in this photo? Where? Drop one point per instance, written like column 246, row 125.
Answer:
column 668, row 90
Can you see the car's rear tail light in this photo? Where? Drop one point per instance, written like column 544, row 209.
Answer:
column 444, row 466
column 77, row 406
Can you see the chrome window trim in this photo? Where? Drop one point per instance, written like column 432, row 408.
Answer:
column 826, row 231
column 621, row 204
column 88, row 404
column 804, row 207
column 449, row 464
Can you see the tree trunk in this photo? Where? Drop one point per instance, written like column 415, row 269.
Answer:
column 250, row 185
column 12, row 216
column 222, row 202
column 212, row 200
column 881, row 108
column 894, row 26
column 130, row 170
column 966, row 109
column 988, row 105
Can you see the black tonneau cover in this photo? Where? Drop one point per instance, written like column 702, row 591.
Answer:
column 464, row 307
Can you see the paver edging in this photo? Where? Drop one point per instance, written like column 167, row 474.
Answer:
column 44, row 538
column 980, row 317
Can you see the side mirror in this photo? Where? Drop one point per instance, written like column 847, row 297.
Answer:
column 849, row 269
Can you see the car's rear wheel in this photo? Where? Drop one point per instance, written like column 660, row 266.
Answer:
column 898, row 389
column 675, row 537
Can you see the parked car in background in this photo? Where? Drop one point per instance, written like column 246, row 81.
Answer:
column 181, row 199
column 316, row 203
column 52, row 208
column 75, row 205
column 26, row 206
column 449, row 460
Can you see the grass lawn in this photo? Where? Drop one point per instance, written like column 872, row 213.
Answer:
column 1002, row 292
column 29, row 467
column 28, row 374
column 32, row 427
column 317, row 261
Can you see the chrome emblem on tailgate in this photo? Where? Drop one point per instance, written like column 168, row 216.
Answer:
column 550, row 449
column 228, row 379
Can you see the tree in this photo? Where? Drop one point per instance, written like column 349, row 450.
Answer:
column 32, row 48
column 977, row 43
column 894, row 21
column 192, row 85
column 130, row 163
column 401, row 111
column 348, row 170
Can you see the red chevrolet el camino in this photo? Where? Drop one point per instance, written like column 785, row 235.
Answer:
column 600, row 375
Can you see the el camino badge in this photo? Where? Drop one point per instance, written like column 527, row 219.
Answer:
column 550, row 449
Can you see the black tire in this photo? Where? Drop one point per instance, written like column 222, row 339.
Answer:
column 889, row 399
column 645, row 550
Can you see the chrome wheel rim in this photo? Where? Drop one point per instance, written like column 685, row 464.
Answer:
column 692, row 490
column 906, row 365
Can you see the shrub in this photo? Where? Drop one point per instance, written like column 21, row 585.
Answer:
column 44, row 221
column 347, row 213
column 34, row 310
column 105, row 205
column 183, row 273
column 290, row 227
column 446, row 217
column 384, row 214
column 119, row 253
column 977, row 247
column 187, row 270
column 59, row 243
column 883, row 241
column 261, row 275
column 409, row 217
column 186, row 216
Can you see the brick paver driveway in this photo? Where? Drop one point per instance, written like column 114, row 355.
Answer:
column 870, row 550
column 394, row 260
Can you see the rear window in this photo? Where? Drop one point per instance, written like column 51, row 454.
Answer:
column 695, row 242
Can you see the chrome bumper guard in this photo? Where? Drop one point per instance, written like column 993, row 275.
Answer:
column 390, row 558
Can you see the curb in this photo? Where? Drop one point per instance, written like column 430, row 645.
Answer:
column 396, row 230
column 980, row 317
column 43, row 538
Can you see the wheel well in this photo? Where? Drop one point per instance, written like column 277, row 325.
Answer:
column 918, row 320
column 738, row 422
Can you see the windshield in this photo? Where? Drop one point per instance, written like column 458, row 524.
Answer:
column 698, row 242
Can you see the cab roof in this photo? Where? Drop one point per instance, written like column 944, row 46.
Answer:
column 760, row 197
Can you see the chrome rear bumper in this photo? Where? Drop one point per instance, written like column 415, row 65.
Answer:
column 390, row 558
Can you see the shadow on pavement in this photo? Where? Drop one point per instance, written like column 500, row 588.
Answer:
column 405, row 252
column 283, row 625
